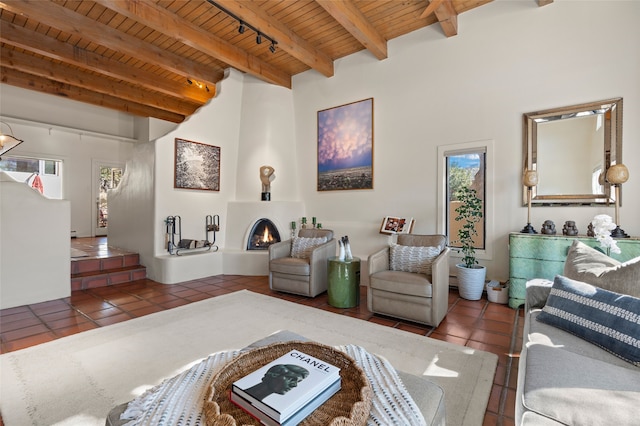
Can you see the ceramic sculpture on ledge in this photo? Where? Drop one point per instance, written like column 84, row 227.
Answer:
column 266, row 177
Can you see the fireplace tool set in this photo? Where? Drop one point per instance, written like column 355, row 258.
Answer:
column 173, row 225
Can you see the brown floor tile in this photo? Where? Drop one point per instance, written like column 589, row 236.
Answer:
column 8, row 326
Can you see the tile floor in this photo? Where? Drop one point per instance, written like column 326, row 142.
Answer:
column 478, row 324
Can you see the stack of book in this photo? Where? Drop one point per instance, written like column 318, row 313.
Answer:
column 286, row 390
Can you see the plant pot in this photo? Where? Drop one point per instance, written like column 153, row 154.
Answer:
column 471, row 281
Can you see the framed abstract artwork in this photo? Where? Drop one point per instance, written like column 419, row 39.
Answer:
column 345, row 147
column 197, row 165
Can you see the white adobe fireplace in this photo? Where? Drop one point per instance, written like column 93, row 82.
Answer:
column 240, row 220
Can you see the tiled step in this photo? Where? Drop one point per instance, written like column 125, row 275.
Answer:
column 101, row 272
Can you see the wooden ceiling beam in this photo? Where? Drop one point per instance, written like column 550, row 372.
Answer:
column 51, row 48
column 287, row 40
column 448, row 18
column 41, row 67
column 162, row 20
column 433, row 5
column 81, row 26
column 349, row 16
column 43, row 85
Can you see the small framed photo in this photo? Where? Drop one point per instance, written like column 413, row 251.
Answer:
column 197, row 166
column 396, row 225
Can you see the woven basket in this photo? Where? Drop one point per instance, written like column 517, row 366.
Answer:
column 350, row 406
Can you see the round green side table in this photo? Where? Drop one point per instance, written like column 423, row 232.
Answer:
column 344, row 282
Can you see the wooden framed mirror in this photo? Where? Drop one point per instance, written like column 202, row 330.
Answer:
column 571, row 148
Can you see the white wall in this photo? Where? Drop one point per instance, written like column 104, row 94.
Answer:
column 75, row 133
column 35, row 262
column 509, row 58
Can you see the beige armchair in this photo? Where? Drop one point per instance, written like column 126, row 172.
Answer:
column 419, row 297
column 304, row 276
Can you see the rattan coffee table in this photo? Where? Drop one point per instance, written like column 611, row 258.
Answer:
column 350, row 406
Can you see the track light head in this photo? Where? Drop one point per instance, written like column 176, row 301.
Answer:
column 272, row 48
column 189, row 81
column 259, row 38
column 241, row 28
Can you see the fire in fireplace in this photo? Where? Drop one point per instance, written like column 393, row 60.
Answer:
column 262, row 235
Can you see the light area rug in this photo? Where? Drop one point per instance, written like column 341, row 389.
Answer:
column 76, row 380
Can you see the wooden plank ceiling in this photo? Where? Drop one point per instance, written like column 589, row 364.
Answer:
column 163, row 58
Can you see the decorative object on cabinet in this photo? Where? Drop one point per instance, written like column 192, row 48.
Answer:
column 548, row 227
column 345, row 147
column 570, row 228
column 396, row 225
column 470, row 275
column 543, row 256
column 197, row 165
column 530, row 179
column 602, row 226
column 556, row 143
column 616, row 176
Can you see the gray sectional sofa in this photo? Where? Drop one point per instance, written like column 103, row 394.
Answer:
column 581, row 366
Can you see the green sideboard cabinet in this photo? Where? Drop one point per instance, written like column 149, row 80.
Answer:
column 543, row 256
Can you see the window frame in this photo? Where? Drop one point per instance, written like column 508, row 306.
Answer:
column 486, row 145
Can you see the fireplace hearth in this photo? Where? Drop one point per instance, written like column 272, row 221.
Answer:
column 262, row 235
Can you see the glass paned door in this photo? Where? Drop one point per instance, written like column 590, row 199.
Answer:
column 108, row 178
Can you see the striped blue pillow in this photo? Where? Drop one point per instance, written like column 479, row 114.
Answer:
column 604, row 318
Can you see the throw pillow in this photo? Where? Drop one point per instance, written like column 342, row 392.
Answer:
column 412, row 258
column 588, row 265
column 602, row 317
column 301, row 247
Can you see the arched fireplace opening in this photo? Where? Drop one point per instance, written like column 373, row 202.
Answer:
column 262, row 235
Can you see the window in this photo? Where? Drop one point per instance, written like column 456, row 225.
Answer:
column 465, row 165
column 30, row 165
column 465, row 170
column 24, row 169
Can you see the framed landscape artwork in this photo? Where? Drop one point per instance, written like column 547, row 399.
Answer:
column 396, row 225
column 345, row 147
column 197, row 166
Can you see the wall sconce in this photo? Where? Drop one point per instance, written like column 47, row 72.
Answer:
column 7, row 140
column 616, row 176
column 529, row 179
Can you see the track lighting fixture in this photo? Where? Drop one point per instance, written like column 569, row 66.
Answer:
column 198, row 84
column 242, row 27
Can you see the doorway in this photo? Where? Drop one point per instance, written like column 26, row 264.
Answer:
column 106, row 176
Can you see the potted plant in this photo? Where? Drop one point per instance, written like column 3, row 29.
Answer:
column 471, row 276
